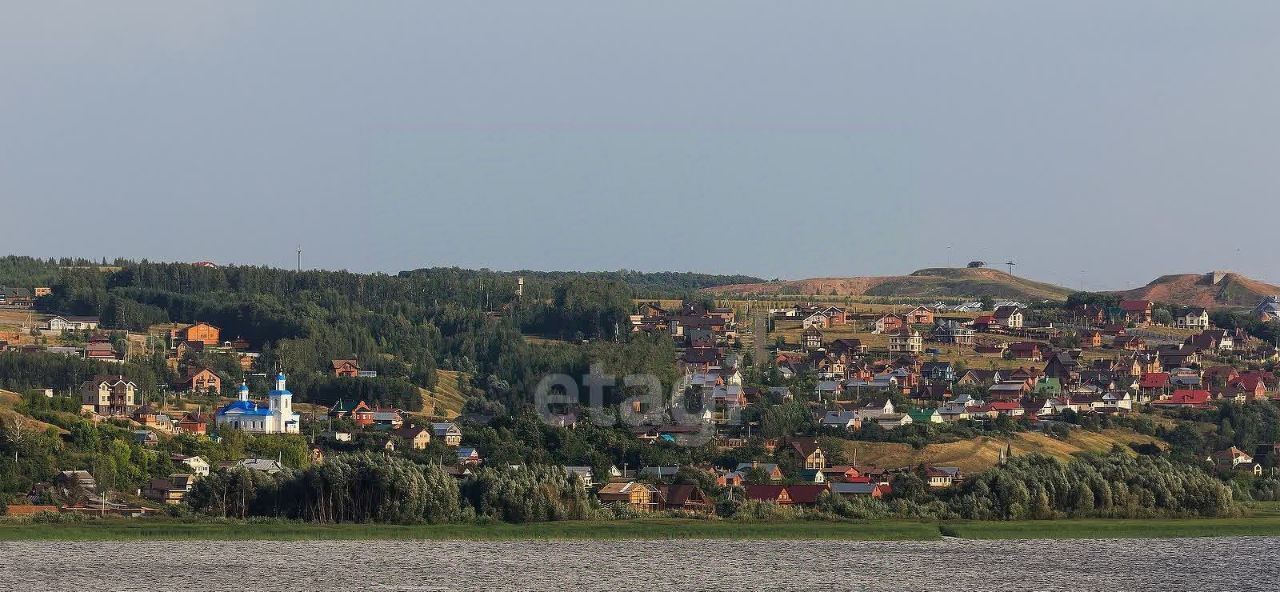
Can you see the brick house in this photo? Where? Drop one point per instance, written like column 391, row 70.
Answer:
column 345, row 368
column 1137, row 312
column 890, row 323
column 920, row 316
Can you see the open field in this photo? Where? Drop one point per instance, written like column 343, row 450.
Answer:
column 645, row 528
column 445, row 400
column 982, row 453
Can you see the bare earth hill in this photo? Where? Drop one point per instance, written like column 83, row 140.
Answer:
column 1218, row 289
column 925, row 283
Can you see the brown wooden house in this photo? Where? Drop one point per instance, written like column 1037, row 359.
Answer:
column 200, row 332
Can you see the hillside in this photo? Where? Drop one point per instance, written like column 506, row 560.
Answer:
column 982, row 453
column 1209, row 290
column 925, row 283
column 445, row 400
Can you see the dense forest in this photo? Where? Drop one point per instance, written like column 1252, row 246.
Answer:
column 404, row 326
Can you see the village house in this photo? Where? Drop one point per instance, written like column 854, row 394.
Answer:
column 108, row 395
column 951, row 411
column 940, row 477
column 388, row 417
column 890, row 323
column 847, row 347
column 199, row 332
column 847, row 420
column 1268, row 309
column 199, row 380
column 417, row 437
column 1010, row 390
column 1154, row 385
column 1212, row 340
column 938, row 371
column 1186, row 398
column 468, row 456
column 906, row 341
column 1236, row 460
column 924, row 416
column 976, row 377
column 640, row 496
column 197, row 464
column 1129, row 343
column 811, row 338
column 770, row 470
column 1009, row 317
column 1026, row 350
column 953, row 332
column 1193, row 318
column 59, row 325
column 812, row 455
column 920, row 316
column 815, row 320
column 345, row 368
column 194, row 423
column 152, row 417
column 584, row 473
column 684, row 497
column 859, row 489
column 172, row 490
column 447, row 432
column 16, row 297
column 101, row 350
column 1136, row 312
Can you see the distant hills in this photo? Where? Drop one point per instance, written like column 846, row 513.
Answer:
column 1217, row 289
column 925, row 283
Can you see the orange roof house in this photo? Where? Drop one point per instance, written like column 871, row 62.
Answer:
column 201, row 332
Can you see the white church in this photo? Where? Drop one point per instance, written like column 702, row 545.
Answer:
column 276, row 418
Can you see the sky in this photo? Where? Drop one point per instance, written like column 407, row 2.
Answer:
column 1096, row 143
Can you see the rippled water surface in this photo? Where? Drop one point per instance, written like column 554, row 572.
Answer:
column 1205, row 564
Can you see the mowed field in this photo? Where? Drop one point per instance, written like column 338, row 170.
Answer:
column 446, row 399
column 979, row 454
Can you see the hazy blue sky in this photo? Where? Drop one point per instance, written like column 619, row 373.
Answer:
column 1103, row 142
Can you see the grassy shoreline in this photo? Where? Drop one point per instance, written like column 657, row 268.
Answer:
column 647, row 529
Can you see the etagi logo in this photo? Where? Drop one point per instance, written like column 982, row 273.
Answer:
column 646, row 404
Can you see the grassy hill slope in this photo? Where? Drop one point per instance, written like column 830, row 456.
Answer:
column 1191, row 289
column 445, row 400
column 982, row 453
column 925, row 283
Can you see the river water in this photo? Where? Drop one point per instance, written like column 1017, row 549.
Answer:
column 1236, row 564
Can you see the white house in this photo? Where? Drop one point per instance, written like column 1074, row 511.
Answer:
column 1193, row 318
column 277, row 417
column 198, row 465
column 60, row 324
